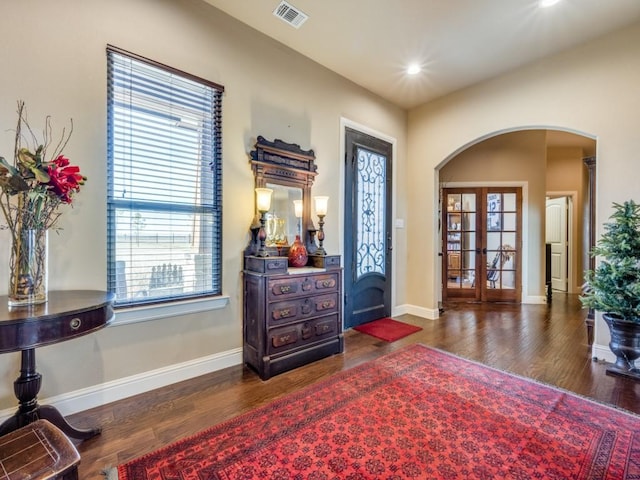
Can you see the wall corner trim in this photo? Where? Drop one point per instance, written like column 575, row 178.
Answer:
column 534, row 300
column 428, row 313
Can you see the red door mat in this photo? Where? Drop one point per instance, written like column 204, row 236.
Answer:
column 387, row 329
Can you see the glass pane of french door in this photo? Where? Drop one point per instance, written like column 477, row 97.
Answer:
column 501, row 245
column 501, row 240
column 460, row 254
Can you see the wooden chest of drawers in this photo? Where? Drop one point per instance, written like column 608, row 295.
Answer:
column 292, row 318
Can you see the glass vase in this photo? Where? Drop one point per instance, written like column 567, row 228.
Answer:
column 297, row 253
column 28, row 268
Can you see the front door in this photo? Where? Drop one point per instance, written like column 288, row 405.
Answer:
column 367, row 229
column 481, row 244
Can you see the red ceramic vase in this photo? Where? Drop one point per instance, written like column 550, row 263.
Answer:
column 297, row 253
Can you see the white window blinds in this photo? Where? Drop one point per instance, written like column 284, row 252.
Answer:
column 164, row 182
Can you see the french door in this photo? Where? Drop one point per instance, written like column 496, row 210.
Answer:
column 481, row 244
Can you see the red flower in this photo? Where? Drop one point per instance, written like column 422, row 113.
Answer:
column 65, row 179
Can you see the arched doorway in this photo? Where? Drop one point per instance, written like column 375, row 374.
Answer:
column 538, row 160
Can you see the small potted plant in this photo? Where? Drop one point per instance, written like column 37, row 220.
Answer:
column 613, row 288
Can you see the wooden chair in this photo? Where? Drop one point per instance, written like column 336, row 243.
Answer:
column 503, row 255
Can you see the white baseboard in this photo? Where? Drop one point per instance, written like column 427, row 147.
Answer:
column 535, row 299
column 428, row 313
column 433, row 314
column 97, row 395
column 101, row 394
column 603, row 352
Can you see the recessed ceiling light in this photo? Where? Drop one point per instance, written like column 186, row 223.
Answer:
column 547, row 3
column 413, row 69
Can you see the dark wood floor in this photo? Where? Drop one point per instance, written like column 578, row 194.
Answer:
column 547, row 343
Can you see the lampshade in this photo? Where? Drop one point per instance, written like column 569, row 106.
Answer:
column 263, row 199
column 297, row 208
column 321, row 205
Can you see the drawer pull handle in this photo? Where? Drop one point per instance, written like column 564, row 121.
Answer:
column 75, row 323
column 283, row 313
column 320, row 329
column 275, row 265
column 284, row 289
column 326, row 304
column 282, row 339
column 327, row 283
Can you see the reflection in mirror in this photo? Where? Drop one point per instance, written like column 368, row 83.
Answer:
column 281, row 222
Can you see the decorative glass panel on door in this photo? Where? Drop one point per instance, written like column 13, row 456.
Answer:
column 370, row 234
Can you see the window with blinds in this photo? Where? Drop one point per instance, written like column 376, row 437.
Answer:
column 164, row 199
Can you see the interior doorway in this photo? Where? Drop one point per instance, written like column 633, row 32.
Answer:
column 558, row 223
column 541, row 162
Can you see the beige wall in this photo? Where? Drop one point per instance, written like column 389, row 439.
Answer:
column 566, row 175
column 514, row 159
column 53, row 57
column 592, row 89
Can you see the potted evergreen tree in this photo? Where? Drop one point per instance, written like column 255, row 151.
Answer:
column 613, row 288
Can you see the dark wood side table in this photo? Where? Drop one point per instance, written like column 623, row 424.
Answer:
column 67, row 314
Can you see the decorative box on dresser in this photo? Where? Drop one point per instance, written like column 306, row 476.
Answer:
column 292, row 316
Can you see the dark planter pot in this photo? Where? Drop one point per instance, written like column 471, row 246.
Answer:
column 625, row 345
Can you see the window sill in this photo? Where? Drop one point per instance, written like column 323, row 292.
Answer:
column 147, row 313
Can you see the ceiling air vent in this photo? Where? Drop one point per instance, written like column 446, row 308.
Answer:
column 290, row 14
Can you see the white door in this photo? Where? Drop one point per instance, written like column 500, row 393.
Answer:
column 556, row 233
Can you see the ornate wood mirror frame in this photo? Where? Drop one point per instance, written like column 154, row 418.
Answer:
column 290, row 172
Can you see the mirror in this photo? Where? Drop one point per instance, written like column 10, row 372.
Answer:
column 289, row 171
column 281, row 224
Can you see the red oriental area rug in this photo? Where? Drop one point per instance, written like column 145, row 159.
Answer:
column 387, row 329
column 417, row 413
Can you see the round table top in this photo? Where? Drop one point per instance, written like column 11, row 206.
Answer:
column 66, row 314
column 59, row 302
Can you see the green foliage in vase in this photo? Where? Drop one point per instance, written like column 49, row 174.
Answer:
column 614, row 286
